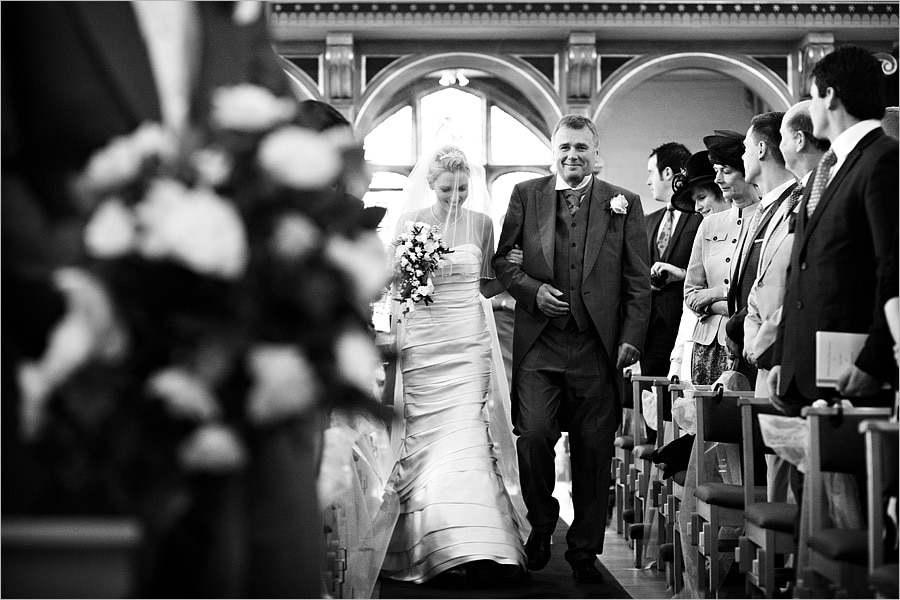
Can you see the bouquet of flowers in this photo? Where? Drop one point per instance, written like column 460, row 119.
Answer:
column 416, row 256
column 238, row 285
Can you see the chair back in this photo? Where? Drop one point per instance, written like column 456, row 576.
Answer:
column 640, row 383
column 753, row 444
column 882, row 475
column 835, row 446
column 718, row 420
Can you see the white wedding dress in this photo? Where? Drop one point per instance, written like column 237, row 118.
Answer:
column 456, row 478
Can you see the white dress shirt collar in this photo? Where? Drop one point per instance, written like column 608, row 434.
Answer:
column 848, row 139
column 774, row 194
column 562, row 185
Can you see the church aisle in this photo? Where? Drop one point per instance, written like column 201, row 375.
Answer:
column 555, row 580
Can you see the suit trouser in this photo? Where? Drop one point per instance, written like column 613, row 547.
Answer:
column 565, row 382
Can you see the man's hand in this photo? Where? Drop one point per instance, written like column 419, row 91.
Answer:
column 672, row 272
column 855, row 383
column 628, row 355
column 548, row 301
column 773, row 383
column 749, row 357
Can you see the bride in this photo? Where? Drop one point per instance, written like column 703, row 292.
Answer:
column 458, row 521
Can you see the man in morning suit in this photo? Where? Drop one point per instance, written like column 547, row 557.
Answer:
column 670, row 237
column 764, row 168
column 846, row 229
column 582, row 306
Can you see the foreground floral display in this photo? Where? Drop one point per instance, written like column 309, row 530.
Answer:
column 225, row 307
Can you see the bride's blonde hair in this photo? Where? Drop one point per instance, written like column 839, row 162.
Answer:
column 447, row 159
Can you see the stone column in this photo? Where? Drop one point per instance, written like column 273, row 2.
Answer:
column 812, row 49
column 580, row 71
column 340, row 71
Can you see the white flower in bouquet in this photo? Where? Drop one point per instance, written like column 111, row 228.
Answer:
column 213, row 448
column 299, row 158
column 195, row 227
column 111, row 232
column 213, row 166
column 284, row 383
column 357, row 358
column 295, row 236
column 418, row 252
column 184, row 394
column 250, row 108
column 364, row 260
column 121, row 161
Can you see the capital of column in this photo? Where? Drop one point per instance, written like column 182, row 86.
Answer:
column 812, row 49
column 581, row 67
column 339, row 67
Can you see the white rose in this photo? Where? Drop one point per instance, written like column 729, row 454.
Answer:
column 619, row 204
column 120, row 161
column 195, row 227
column 364, row 260
column 249, row 108
column 284, row 383
column 111, row 230
column 184, row 394
column 357, row 358
column 295, row 236
column 213, row 166
column 213, row 448
column 299, row 158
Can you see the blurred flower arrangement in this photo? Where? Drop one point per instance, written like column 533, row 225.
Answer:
column 227, row 282
column 416, row 255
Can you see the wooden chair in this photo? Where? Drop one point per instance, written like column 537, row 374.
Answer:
column 769, row 526
column 718, row 504
column 838, row 558
column 641, row 465
column 622, row 465
column 882, row 471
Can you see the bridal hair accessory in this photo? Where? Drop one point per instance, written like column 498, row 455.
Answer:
column 454, row 153
column 619, row 204
column 417, row 253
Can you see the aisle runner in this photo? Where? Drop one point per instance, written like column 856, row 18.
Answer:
column 554, row 581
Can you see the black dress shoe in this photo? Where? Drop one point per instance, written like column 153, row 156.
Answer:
column 537, row 550
column 584, row 571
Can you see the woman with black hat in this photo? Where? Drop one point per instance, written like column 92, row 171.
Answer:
column 695, row 191
column 709, row 270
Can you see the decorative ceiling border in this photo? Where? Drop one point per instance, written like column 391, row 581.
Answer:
column 796, row 14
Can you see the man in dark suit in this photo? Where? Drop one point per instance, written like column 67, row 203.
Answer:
column 846, row 229
column 670, row 237
column 75, row 75
column 764, row 168
column 582, row 304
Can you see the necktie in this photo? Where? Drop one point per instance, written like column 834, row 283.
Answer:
column 820, row 182
column 573, row 200
column 665, row 232
column 794, row 198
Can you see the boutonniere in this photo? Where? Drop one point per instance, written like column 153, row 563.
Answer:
column 618, row 204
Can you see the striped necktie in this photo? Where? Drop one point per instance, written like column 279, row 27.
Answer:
column 820, row 182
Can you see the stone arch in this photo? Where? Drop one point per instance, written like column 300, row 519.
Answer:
column 303, row 86
column 752, row 73
column 406, row 71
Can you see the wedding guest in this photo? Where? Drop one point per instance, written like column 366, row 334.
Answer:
column 582, row 292
column 711, row 266
column 845, row 235
column 764, row 168
column 802, row 152
column 694, row 191
column 670, row 234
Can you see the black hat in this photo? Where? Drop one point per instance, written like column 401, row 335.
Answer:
column 726, row 148
column 697, row 170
